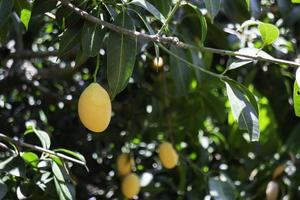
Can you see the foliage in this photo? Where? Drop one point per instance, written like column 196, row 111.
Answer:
column 230, row 110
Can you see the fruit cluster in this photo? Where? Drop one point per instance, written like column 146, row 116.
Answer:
column 94, row 110
column 130, row 181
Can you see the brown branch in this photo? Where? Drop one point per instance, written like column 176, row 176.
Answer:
column 169, row 40
column 40, row 149
column 131, row 33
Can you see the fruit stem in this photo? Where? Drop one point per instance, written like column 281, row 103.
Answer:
column 97, row 68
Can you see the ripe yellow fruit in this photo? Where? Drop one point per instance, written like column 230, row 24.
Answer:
column 157, row 63
column 272, row 190
column 167, row 155
column 124, row 164
column 94, row 108
column 131, row 185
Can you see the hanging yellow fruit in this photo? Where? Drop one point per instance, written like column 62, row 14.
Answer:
column 124, row 164
column 131, row 185
column 94, row 108
column 167, row 155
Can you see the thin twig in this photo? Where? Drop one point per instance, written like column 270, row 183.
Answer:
column 169, row 40
column 171, row 14
column 40, row 149
column 88, row 17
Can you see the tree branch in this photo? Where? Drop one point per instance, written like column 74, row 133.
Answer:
column 88, row 17
column 40, row 149
column 169, row 40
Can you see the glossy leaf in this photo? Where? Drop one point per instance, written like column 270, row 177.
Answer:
column 269, row 33
column 23, row 8
column 234, row 63
column 43, row 137
column 213, row 7
column 121, row 53
column 295, row 1
column 246, row 92
column 296, row 99
column 91, row 38
column 243, row 111
column 69, row 39
column 64, row 189
column 221, row 190
column 6, row 7
column 31, row 158
column 150, row 8
column 72, row 153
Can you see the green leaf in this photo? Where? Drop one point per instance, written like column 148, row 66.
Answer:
column 234, row 63
column 72, row 153
column 81, row 57
column 23, row 8
column 296, row 99
column 298, row 75
column 243, row 111
column 151, row 31
column 150, row 8
column 3, row 189
column 69, row 39
column 269, row 33
column 213, row 7
column 295, row 1
column 91, row 38
column 14, row 166
column 248, row 4
column 30, row 158
column 64, row 189
column 43, row 137
column 121, row 53
column 293, row 141
column 221, row 189
column 6, row 7
column 180, row 72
